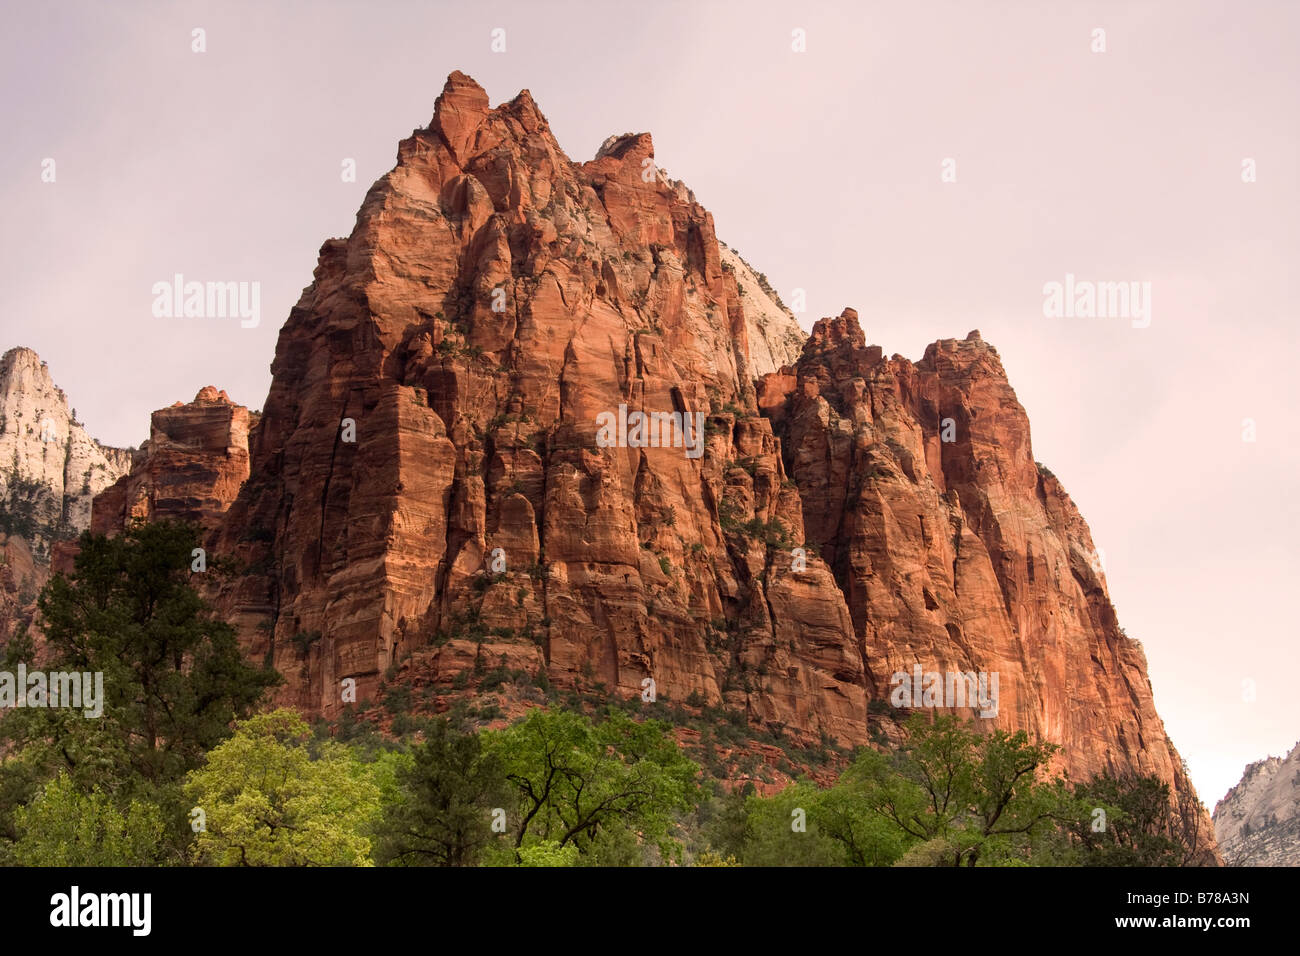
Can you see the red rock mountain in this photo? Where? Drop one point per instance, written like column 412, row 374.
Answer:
column 430, row 467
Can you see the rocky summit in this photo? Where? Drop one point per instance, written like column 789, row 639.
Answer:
column 50, row 468
column 50, row 472
column 1258, row 822
column 429, row 484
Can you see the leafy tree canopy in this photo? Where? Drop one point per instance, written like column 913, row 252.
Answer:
column 267, row 801
column 607, row 789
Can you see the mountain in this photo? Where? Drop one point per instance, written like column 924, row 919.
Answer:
column 50, row 468
column 1258, row 822
column 449, row 470
column 50, row 472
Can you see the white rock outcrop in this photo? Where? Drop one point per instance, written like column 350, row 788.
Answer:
column 50, row 468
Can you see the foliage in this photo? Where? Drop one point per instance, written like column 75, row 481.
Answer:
column 770, row 837
column 173, row 677
column 604, row 788
column 1126, row 821
column 965, row 794
column 441, row 812
column 269, row 802
column 65, row 827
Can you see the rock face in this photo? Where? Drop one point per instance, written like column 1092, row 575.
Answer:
column 450, row 457
column 954, row 550
column 775, row 339
column 50, row 472
column 1258, row 822
column 50, row 469
column 190, row 469
column 21, row 579
column 435, row 399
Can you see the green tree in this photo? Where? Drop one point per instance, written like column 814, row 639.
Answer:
column 173, row 680
column 608, row 789
column 721, row 822
column 173, row 676
column 1125, row 820
column 960, row 797
column 442, row 813
column 20, row 783
column 65, row 827
column 783, row 830
column 805, row 825
column 864, row 838
column 267, row 801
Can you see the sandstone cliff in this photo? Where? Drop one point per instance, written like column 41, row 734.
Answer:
column 954, row 549
column 775, row 339
column 1258, row 822
column 190, row 468
column 430, row 481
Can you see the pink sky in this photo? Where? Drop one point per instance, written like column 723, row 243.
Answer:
column 823, row 169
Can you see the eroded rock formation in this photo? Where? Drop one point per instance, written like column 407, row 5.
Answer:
column 190, row 469
column 955, row 550
column 430, row 476
column 1258, row 822
column 50, row 469
column 50, row 472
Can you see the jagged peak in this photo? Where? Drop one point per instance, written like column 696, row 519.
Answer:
column 461, row 84
column 969, row 349
column 524, row 102
column 459, row 111
column 843, row 330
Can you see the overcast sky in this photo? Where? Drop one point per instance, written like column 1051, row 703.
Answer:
column 824, row 168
